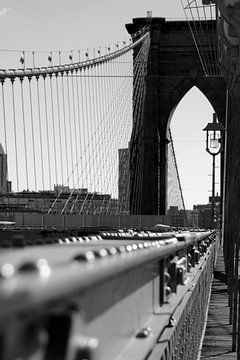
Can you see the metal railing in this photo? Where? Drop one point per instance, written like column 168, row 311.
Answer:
column 113, row 295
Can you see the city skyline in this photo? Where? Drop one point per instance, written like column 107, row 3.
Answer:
column 123, row 183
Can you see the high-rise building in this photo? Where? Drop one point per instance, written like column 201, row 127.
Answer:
column 5, row 185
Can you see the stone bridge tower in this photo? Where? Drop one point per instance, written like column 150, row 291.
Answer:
column 173, row 68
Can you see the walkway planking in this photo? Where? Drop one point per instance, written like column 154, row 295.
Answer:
column 217, row 343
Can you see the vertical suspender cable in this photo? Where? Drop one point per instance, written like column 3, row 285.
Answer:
column 79, row 129
column 87, row 146
column 70, row 130
column 86, row 119
column 105, row 129
column 54, row 134
column 65, row 127
column 113, row 142
column 59, row 129
column 105, row 102
column 4, row 117
column 24, row 133
column 107, row 154
column 101, row 100
column 94, row 153
column 15, row 133
column 4, row 123
column 33, row 59
column 123, row 179
column 75, row 129
column 91, row 149
column 82, row 136
column 32, row 133
column 40, row 132
column 47, row 132
column 94, row 125
column 99, row 111
column 118, row 125
column 82, row 82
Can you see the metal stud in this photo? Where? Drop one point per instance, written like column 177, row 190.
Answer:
column 112, row 251
column 100, row 253
column 144, row 333
column 121, row 249
column 129, row 248
column 87, row 256
column 7, row 270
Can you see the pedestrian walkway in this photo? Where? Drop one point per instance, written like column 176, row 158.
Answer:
column 217, row 343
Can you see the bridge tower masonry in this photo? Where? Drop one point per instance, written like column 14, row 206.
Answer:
column 173, row 68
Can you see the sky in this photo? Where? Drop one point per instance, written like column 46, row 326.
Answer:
column 49, row 25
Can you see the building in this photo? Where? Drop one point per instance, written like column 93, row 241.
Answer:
column 192, row 218
column 75, row 202
column 204, row 215
column 206, row 218
column 5, row 185
column 123, row 180
column 177, row 217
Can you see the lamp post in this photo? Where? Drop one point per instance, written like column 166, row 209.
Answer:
column 214, row 133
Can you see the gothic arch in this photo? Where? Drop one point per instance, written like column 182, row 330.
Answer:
column 173, row 69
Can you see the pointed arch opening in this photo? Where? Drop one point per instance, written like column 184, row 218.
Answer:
column 188, row 119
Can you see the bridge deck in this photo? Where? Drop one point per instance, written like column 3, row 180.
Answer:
column 217, row 342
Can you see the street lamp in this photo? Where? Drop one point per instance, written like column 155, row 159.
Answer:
column 214, row 133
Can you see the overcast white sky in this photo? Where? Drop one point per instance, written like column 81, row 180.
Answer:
column 79, row 24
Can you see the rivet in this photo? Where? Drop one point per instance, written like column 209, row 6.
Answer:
column 112, row 251
column 7, row 270
column 43, row 267
column 100, row 253
column 87, row 256
column 121, row 249
column 129, row 248
column 144, row 333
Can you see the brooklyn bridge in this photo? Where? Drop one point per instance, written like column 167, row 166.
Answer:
column 100, row 258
